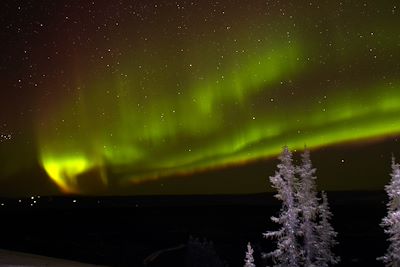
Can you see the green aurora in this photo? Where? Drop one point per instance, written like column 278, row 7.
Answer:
column 167, row 90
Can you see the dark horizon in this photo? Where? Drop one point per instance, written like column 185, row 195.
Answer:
column 109, row 232
column 339, row 168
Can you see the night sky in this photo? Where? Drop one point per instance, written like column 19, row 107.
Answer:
column 180, row 97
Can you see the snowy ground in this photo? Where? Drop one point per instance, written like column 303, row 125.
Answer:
column 14, row 259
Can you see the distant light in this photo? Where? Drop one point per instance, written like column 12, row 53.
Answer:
column 32, row 197
column 74, row 200
column 19, row 200
column 342, row 160
column 34, row 201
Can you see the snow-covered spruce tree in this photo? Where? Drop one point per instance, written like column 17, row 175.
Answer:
column 391, row 223
column 326, row 236
column 249, row 260
column 308, row 206
column 287, row 252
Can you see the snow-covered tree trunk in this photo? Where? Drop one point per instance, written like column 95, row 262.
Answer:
column 287, row 252
column 249, row 260
column 308, row 205
column 391, row 223
column 326, row 236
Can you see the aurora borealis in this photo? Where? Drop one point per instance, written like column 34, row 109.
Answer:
column 121, row 93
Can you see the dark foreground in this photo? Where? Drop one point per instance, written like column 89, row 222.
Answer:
column 157, row 231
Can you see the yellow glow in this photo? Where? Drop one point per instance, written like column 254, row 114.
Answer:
column 65, row 171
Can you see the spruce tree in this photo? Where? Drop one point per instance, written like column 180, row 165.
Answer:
column 391, row 222
column 249, row 260
column 287, row 252
column 326, row 236
column 308, row 205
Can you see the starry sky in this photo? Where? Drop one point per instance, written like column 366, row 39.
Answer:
column 182, row 97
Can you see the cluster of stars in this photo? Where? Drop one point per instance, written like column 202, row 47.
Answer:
column 4, row 137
